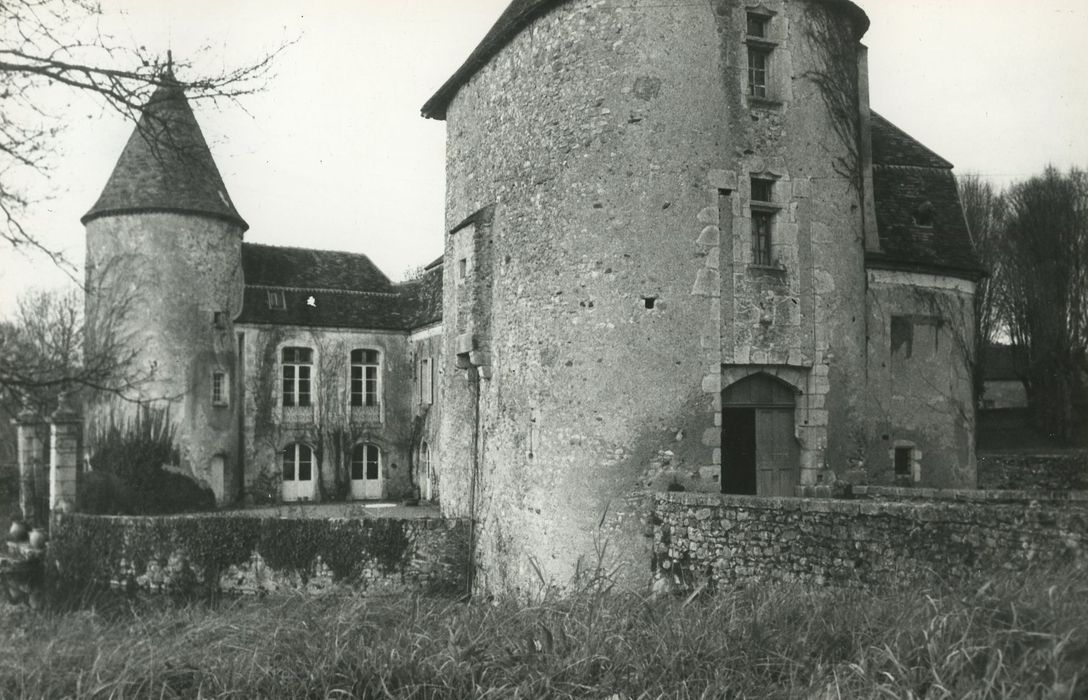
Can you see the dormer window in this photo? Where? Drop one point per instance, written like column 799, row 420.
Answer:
column 923, row 214
column 276, row 301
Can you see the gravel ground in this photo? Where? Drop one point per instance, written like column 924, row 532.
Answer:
column 370, row 509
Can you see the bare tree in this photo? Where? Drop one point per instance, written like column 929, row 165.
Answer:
column 984, row 210
column 43, row 352
column 52, row 50
column 1044, row 272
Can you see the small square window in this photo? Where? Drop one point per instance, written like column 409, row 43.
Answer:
column 276, row 300
column 219, row 388
column 762, row 190
column 758, row 25
column 219, row 319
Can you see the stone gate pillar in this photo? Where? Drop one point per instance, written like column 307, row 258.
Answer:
column 64, row 456
column 28, row 426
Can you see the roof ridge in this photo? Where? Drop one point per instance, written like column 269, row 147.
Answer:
column 323, row 290
column 304, row 250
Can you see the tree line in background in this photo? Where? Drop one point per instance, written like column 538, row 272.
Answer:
column 1032, row 241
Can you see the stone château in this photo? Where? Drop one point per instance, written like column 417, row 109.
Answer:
column 682, row 252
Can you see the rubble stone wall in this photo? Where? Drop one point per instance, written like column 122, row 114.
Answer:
column 717, row 540
column 249, row 555
column 1056, row 472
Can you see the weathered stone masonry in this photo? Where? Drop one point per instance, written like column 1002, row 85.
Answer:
column 718, row 539
column 634, row 335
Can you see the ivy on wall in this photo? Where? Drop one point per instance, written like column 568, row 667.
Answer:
column 95, row 549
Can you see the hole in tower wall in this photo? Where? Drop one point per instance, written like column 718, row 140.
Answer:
column 649, row 302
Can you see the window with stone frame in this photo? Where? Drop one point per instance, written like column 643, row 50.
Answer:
column 297, row 375
column 763, row 210
column 761, row 46
column 904, row 462
column 219, row 388
column 365, row 377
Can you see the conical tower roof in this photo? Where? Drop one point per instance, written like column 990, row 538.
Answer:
column 166, row 165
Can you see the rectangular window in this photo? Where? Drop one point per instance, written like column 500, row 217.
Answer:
column 759, row 60
column 426, row 381
column 902, row 337
column 762, row 226
column 276, row 300
column 904, row 457
column 297, row 376
column 219, row 388
column 757, row 25
column 365, row 373
column 219, row 319
column 462, row 268
column 762, row 190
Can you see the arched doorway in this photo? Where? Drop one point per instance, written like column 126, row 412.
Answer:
column 760, row 455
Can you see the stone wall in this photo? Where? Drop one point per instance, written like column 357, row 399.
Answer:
column 1048, row 472
column 203, row 554
column 718, row 540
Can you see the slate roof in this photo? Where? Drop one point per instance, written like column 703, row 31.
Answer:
column 311, row 269
column 519, row 15
column 166, row 165
column 910, row 180
column 423, row 297
column 348, row 291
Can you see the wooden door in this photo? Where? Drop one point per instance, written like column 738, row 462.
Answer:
column 760, row 454
column 777, row 454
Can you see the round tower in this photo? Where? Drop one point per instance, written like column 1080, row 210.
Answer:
column 656, row 269
column 164, row 284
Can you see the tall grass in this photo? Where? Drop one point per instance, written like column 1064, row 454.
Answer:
column 1019, row 636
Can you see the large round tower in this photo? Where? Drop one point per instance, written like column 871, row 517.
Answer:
column 164, row 285
column 656, row 268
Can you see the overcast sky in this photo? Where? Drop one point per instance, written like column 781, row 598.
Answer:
column 335, row 155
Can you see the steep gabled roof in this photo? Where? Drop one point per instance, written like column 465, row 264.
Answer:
column 166, row 166
column 519, row 15
column 332, row 289
column 919, row 218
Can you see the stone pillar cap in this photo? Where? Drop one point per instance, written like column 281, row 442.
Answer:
column 27, row 416
column 64, row 413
